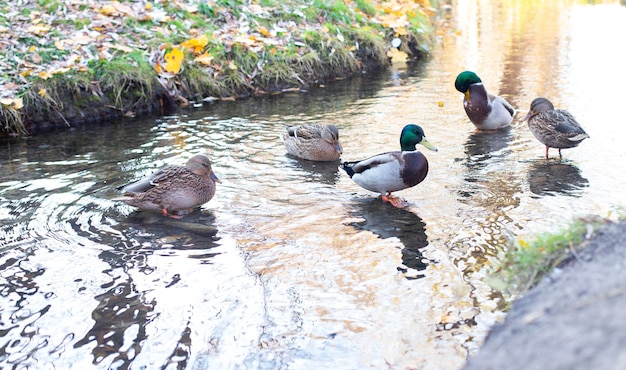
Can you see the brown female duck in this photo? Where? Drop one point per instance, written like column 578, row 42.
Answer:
column 313, row 142
column 555, row 128
column 173, row 190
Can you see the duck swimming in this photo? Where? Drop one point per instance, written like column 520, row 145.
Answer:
column 313, row 142
column 487, row 112
column 554, row 128
column 393, row 171
column 173, row 190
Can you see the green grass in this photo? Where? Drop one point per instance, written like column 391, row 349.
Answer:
column 526, row 262
column 326, row 39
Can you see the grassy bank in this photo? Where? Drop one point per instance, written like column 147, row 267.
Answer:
column 526, row 261
column 67, row 63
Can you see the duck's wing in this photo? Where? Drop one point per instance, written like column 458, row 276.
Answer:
column 305, row 132
column 374, row 161
column 163, row 175
column 499, row 100
column 565, row 123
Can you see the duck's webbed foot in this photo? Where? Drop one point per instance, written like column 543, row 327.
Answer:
column 395, row 201
column 176, row 216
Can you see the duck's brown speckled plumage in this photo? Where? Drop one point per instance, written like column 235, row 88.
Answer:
column 313, row 142
column 174, row 189
column 554, row 128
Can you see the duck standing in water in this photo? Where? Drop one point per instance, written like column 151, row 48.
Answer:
column 487, row 112
column 313, row 142
column 173, row 190
column 554, row 128
column 393, row 171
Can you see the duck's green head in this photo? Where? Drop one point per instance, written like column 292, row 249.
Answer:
column 411, row 136
column 465, row 79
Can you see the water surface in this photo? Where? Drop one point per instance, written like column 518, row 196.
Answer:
column 292, row 265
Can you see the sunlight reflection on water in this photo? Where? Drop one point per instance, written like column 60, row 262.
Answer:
column 292, row 265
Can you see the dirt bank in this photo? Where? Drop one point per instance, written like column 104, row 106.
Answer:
column 572, row 319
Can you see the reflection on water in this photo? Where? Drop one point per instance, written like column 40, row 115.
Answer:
column 484, row 151
column 285, row 267
column 387, row 221
column 120, row 321
column 483, row 146
column 322, row 172
column 555, row 177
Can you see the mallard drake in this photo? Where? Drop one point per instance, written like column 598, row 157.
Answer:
column 313, row 142
column 555, row 128
column 393, row 171
column 487, row 112
column 173, row 190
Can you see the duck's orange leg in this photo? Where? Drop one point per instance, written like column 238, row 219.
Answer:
column 166, row 213
column 395, row 201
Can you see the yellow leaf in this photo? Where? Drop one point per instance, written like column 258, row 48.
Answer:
column 148, row 6
column 60, row 70
column 401, row 31
column 108, row 10
column 32, row 48
column 263, row 31
column 42, row 92
column 174, row 60
column 205, row 59
column 18, row 103
column 196, row 45
column 39, row 29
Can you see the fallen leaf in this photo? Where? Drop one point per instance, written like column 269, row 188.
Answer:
column 205, row 59
column 196, row 45
column 16, row 103
column 108, row 10
column 38, row 29
column 174, row 60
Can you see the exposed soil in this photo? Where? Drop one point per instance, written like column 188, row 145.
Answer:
column 572, row 319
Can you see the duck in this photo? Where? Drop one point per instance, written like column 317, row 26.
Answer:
column 173, row 190
column 313, row 142
column 393, row 171
column 487, row 112
column 554, row 128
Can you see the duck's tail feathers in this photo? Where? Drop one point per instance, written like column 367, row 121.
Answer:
column 347, row 166
column 579, row 137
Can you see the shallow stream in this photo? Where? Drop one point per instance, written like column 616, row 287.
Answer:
column 292, row 265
